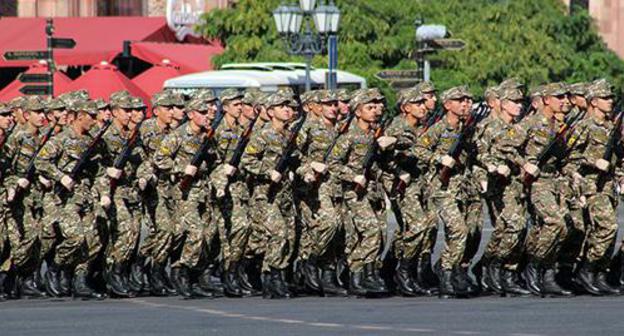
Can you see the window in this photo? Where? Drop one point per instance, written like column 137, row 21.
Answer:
column 120, row 8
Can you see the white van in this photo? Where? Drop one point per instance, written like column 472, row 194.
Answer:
column 268, row 77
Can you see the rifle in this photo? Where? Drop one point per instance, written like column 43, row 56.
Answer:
column 479, row 113
column 82, row 160
column 123, row 156
column 614, row 139
column 437, row 114
column 242, row 142
column 30, row 169
column 290, row 147
column 527, row 109
column 547, row 151
column 6, row 135
column 372, row 148
column 198, row 157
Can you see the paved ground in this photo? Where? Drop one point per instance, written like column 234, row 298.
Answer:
column 581, row 315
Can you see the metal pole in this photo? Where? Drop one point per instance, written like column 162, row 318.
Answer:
column 307, row 52
column 51, row 67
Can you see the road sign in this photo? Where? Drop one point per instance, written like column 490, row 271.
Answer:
column 35, row 77
column 404, row 83
column 447, row 44
column 398, row 74
column 63, row 43
column 40, row 90
column 19, row 55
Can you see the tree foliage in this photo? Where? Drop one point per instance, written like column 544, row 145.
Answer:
column 535, row 40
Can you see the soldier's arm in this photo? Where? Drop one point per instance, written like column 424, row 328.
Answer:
column 252, row 160
column 46, row 161
column 339, row 161
column 164, row 159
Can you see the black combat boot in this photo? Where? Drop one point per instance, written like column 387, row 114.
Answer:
column 425, row 275
column 550, row 286
column 460, row 282
column 210, row 283
column 586, row 279
column 81, row 288
column 329, row 285
column 198, row 292
column 136, row 276
column 157, row 282
column 310, row 274
column 116, row 281
column 511, row 286
column 355, row 284
column 243, row 279
column 65, row 281
column 3, row 277
column 230, row 283
column 446, row 284
column 403, row 280
column 52, row 280
column 381, row 283
column 274, row 288
column 493, row 276
column 600, row 281
column 480, row 270
column 370, row 283
column 533, row 277
column 28, row 288
column 180, row 279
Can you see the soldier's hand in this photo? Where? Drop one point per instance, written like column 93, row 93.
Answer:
column 142, row 184
column 220, row 193
column 23, row 183
column 309, row 178
column 190, row 170
column 582, row 202
column 105, row 202
column 45, row 182
column 490, row 168
column 405, row 178
column 577, row 179
column 503, row 170
column 229, row 170
column 360, row 180
column 67, row 182
column 275, row 176
column 113, row 173
column 484, row 186
column 386, row 142
column 531, row 169
column 448, row 161
column 10, row 195
column 602, row 164
column 319, row 167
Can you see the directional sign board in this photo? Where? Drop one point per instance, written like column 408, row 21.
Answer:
column 404, row 83
column 40, row 90
column 25, row 55
column 64, row 43
column 398, row 74
column 447, row 44
column 35, row 77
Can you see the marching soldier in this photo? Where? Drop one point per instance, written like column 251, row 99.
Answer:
column 6, row 123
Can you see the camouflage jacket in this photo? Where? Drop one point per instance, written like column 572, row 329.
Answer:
column 113, row 143
column 225, row 139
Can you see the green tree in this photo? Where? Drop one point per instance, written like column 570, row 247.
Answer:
column 533, row 39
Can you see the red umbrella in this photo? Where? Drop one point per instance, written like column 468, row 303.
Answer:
column 61, row 82
column 152, row 80
column 104, row 79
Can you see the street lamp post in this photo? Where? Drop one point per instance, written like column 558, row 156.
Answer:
column 290, row 18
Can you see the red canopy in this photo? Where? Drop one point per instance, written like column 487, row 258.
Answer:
column 97, row 38
column 152, row 80
column 190, row 57
column 61, row 82
column 104, row 79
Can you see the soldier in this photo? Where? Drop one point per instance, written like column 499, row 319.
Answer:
column 272, row 192
column 158, row 204
column 412, row 243
column 196, row 227
column 179, row 116
column 347, row 164
column 25, row 194
column 545, row 238
column 56, row 161
column 343, row 104
column 17, row 106
column 104, row 112
column 6, row 123
column 232, row 203
column 596, row 176
column 450, row 200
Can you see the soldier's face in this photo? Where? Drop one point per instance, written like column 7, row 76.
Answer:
column 343, row 108
column 104, row 114
column 605, row 105
column 459, row 107
column 61, row 117
column 283, row 113
column 36, row 118
column 86, row 120
column 19, row 115
column 330, row 110
column 430, row 101
column 164, row 114
column 199, row 118
column 368, row 112
column 494, row 104
column 177, row 112
column 234, row 108
column 249, row 111
column 316, row 108
column 512, row 108
column 579, row 101
column 417, row 110
column 137, row 115
column 6, row 120
column 212, row 110
column 264, row 115
column 122, row 116
column 557, row 103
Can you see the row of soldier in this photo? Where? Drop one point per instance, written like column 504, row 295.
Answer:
column 327, row 193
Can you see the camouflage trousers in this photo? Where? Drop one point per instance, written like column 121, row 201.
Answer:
column 197, row 241
column 278, row 226
column 418, row 236
column 235, row 227
column 546, row 236
column 80, row 243
column 507, row 240
column 602, row 228
column 160, row 215
column 4, row 239
column 24, row 229
column 256, row 242
column 49, row 223
column 450, row 209
column 472, row 207
column 366, row 231
column 125, row 227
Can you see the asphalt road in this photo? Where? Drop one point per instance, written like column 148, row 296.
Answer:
column 582, row 315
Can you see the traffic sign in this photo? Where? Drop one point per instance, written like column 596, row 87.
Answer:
column 40, row 90
column 63, row 43
column 404, row 83
column 19, row 55
column 447, row 44
column 35, row 77
column 398, row 74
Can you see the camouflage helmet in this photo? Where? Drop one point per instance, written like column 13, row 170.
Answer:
column 17, row 102
column 492, row 92
column 599, row 89
column 579, row 89
column 555, row 89
column 512, row 82
column 137, row 103
column 164, row 98
column 101, row 104
column 230, row 94
column 197, row 105
column 281, row 98
column 55, row 104
column 326, row 96
column 343, row 95
column 425, row 87
column 510, row 93
column 34, row 103
column 5, row 109
column 365, row 96
column 457, row 92
column 87, row 106
column 410, row 95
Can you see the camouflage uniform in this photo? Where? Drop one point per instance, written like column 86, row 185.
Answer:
column 4, row 208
